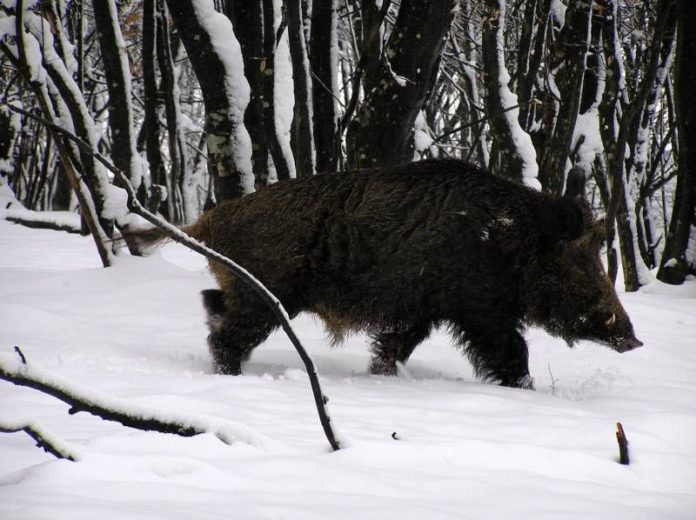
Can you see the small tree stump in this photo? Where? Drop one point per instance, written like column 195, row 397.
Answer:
column 623, row 445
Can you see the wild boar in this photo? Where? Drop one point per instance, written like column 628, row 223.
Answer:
column 395, row 252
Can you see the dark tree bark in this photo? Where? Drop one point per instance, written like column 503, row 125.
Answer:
column 158, row 174
column 381, row 132
column 674, row 265
column 116, row 70
column 567, row 64
column 321, row 49
column 229, row 158
column 176, row 140
column 301, row 136
column 372, row 17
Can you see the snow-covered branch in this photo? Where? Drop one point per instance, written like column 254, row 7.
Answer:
column 16, row 370
column 44, row 438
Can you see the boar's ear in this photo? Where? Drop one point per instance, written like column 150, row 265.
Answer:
column 561, row 219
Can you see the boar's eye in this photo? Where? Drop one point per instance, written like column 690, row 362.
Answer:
column 612, row 319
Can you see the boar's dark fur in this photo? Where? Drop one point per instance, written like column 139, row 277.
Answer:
column 394, row 252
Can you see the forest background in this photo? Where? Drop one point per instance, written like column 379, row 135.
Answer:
column 198, row 101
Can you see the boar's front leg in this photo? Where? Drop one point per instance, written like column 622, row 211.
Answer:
column 235, row 332
column 389, row 347
column 497, row 352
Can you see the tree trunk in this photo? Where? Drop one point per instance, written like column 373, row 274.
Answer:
column 158, row 174
column 301, row 135
column 381, row 132
column 567, row 65
column 247, row 20
column 216, row 58
column 270, row 41
column 176, row 139
column 118, row 80
column 512, row 153
column 675, row 265
column 322, row 59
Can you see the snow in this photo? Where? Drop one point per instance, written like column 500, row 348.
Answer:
column 135, row 333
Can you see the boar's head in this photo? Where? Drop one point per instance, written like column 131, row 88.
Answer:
column 571, row 296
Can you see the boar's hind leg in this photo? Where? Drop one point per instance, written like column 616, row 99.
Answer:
column 389, row 347
column 235, row 332
column 499, row 353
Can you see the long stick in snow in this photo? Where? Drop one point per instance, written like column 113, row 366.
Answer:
column 177, row 235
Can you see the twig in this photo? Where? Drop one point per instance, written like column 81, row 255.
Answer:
column 553, row 381
column 175, row 234
column 623, row 445
column 44, row 439
column 483, row 119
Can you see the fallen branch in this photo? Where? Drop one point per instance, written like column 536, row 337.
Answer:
column 43, row 224
column 175, row 234
column 44, row 439
column 18, row 371
column 623, row 444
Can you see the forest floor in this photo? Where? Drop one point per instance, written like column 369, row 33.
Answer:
column 465, row 449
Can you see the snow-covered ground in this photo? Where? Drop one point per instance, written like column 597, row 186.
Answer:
column 465, row 449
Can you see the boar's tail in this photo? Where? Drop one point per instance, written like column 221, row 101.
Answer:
column 148, row 238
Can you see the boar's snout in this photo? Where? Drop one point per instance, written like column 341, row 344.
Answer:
column 628, row 344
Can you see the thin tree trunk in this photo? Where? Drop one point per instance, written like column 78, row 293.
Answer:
column 151, row 126
column 322, row 58
column 301, row 135
column 118, row 80
column 568, row 68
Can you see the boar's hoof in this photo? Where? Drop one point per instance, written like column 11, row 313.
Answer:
column 525, row 382
column 228, row 369
column 628, row 344
column 383, row 367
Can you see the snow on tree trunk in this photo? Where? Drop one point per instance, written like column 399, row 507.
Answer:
column 567, row 68
column 216, row 58
column 512, row 153
column 275, row 71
